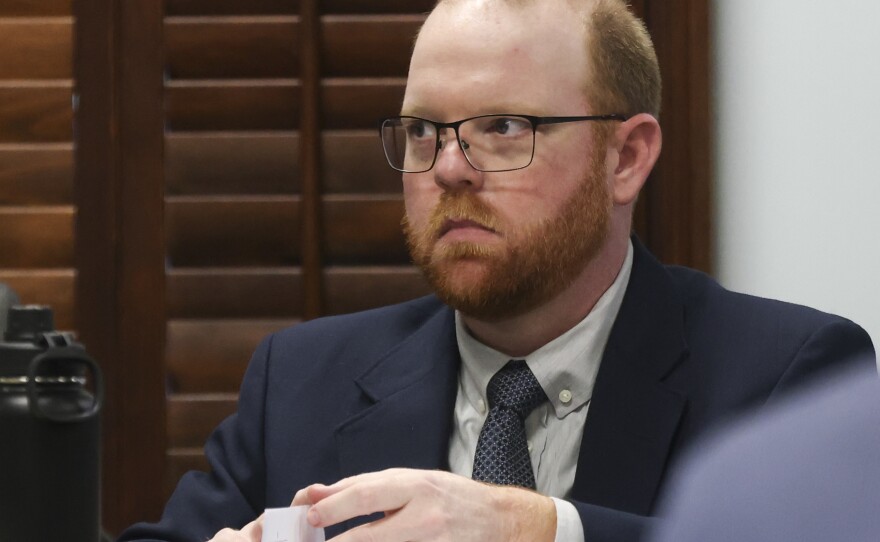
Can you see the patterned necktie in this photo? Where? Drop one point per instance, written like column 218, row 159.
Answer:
column 502, row 455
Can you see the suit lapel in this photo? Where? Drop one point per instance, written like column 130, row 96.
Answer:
column 412, row 393
column 633, row 417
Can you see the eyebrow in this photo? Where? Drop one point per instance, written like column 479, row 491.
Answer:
column 497, row 108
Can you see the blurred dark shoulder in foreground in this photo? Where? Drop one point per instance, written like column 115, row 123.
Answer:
column 806, row 471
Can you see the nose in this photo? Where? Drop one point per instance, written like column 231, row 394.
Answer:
column 452, row 171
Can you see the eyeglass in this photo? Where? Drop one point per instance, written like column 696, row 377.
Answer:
column 490, row 143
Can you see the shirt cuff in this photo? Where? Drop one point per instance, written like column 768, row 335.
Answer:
column 568, row 522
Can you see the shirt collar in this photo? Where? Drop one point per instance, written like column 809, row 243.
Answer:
column 566, row 367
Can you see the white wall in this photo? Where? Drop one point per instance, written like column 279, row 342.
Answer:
column 797, row 153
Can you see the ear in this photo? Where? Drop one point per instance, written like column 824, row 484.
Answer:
column 637, row 142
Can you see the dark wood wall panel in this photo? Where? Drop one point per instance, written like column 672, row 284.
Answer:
column 35, row 8
column 243, row 292
column 276, row 292
column 36, row 48
column 363, row 230
column 36, row 154
column 674, row 217
column 353, row 162
column 352, row 44
column 53, row 287
column 259, row 231
column 36, row 237
column 245, row 163
column 36, row 112
column 206, row 356
column 377, row 6
column 360, row 103
column 36, row 174
column 231, row 47
column 231, row 7
column 281, row 7
column 358, row 288
column 264, row 231
column 247, row 105
column 232, row 105
column 192, row 417
column 252, row 163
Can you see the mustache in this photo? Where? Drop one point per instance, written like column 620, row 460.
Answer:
column 461, row 207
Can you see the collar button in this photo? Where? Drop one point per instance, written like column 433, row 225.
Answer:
column 565, row 396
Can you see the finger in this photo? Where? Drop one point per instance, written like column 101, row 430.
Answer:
column 367, row 496
column 387, row 529
column 301, row 498
column 229, row 535
column 321, row 491
column 316, row 492
column 253, row 531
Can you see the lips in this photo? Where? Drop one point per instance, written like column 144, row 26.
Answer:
column 460, row 224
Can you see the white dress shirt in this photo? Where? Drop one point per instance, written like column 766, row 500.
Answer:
column 566, row 368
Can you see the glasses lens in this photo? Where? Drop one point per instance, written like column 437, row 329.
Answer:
column 410, row 143
column 498, row 143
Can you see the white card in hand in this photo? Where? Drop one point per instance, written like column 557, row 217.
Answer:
column 289, row 525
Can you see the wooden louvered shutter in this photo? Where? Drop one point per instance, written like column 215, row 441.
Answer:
column 279, row 206
column 36, row 153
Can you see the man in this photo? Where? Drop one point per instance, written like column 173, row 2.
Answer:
column 573, row 363
column 807, row 472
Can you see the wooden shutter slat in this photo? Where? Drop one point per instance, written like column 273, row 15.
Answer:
column 233, row 231
column 45, row 287
column 351, row 45
column 234, row 293
column 36, row 49
column 364, row 230
column 40, row 174
column 36, row 237
column 351, row 289
column 268, row 163
column 233, row 105
column 232, row 48
column 353, row 161
column 377, row 6
column 35, row 8
column 232, row 163
column 277, row 7
column 231, row 7
column 35, row 113
column 264, row 231
column 192, row 417
column 360, row 103
column 196, row 365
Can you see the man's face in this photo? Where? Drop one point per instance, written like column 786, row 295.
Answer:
column 495, row 245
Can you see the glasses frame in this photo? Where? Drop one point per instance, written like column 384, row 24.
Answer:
column 533, row 120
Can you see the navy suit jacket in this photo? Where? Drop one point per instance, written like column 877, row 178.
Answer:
column 350, row 394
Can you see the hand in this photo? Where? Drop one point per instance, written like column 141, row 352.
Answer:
column 422, row 506
column 252, row 532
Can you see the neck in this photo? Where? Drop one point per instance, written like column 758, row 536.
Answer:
column 525, row 333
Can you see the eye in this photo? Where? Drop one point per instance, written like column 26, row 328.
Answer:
column 419, row 129
column 509, row 126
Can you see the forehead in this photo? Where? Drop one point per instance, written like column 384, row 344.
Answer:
column 481, row 56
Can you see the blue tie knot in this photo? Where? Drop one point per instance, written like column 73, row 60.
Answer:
column 515, row 387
